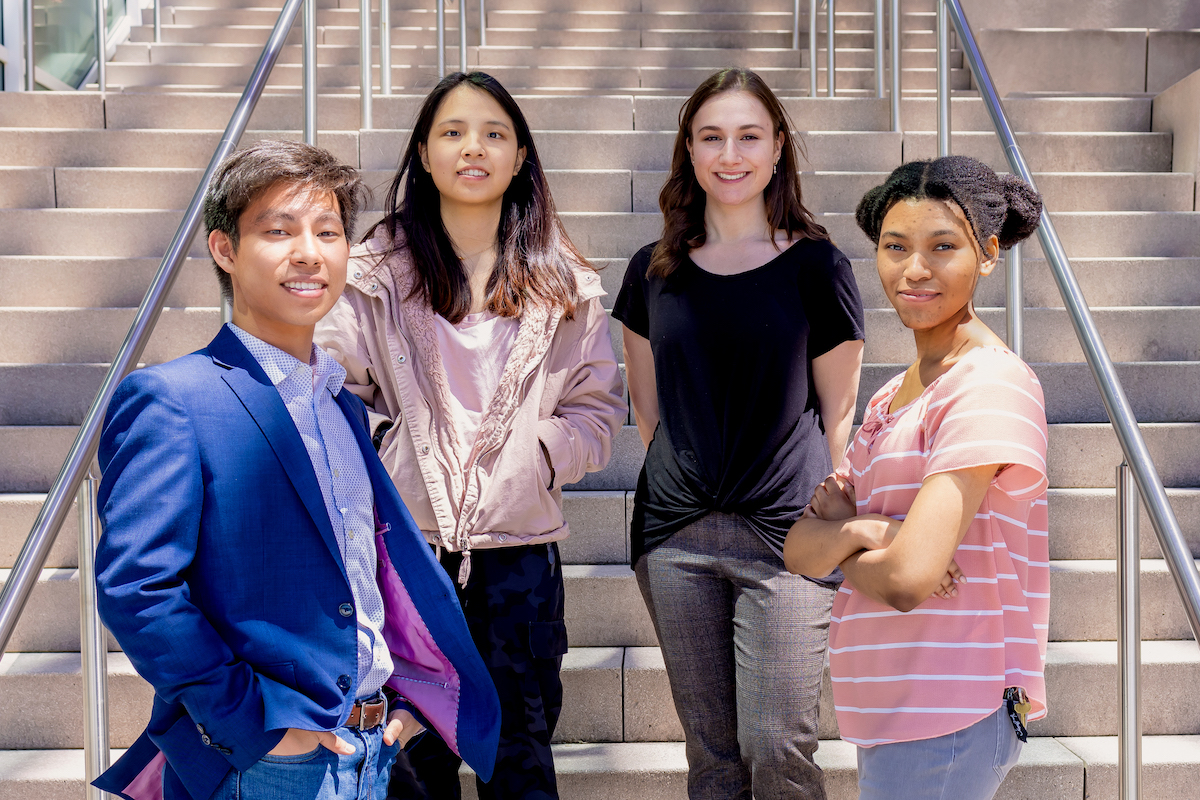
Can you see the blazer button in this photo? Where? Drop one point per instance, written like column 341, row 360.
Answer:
column 343, row 683
column 205, row 739
column 345, row 609
column 199, row 727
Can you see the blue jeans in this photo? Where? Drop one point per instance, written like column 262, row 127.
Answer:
column 319, row 775
column 964, row 765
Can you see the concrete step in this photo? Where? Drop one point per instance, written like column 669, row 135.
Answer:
column 1084, row 523
column 1046, row 114
column 605, row 609
column 140, row 148
column 99, row 333
column 52, row 109
column 422, row 75
column 614, row 694
column 1081, row 455
column 42, row 707
column 1162, row 391
column 1057, row 152
column 26, row 187
column 1049, row 768
column 1075, row 672
column 340, row 112
column 17, row 515
column 79, row 282
column 1138, row 333
column 706, row 57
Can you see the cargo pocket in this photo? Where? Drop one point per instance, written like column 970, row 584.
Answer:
column 548, row 639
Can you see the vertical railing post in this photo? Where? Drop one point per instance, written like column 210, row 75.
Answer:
column 30, row 80
column 364, row 46
column 93, row 645
column 943, row 79
column 812, row 48
column 101, row 44
column 1129, row 636
column 830, row 51
column 157, row 21
column 796, row 24
column 441, row 37
column 879, row 48
column 462, row 35
column 309, row 25
column 1014, row 278
column 385, row 47
column 894, row 25
column 482, row 25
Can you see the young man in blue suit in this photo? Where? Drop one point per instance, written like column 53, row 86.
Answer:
column 257, row 565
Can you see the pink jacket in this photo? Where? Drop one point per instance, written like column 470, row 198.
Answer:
column 561, row 385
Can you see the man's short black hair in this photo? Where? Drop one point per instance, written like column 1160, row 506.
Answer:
column 247, row 173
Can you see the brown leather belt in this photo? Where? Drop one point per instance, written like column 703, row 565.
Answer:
column 368, row 713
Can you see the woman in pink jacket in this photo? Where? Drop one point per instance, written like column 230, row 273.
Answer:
column 474, row 330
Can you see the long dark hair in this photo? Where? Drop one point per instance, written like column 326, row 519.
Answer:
column 682, row 200
column 535, row 258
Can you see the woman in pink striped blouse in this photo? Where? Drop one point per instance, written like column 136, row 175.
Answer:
column 937, row 514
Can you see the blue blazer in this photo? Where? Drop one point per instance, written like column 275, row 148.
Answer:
column 219, row 574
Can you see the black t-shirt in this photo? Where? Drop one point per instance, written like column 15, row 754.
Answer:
column 739, row 419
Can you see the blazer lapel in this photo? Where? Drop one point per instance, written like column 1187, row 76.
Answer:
column 262, row 401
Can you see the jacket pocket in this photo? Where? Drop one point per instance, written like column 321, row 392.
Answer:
column 548, row 639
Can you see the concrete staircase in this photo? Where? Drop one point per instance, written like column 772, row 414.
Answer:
column 91, row 191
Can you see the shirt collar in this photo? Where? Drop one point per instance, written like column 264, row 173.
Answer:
column 279, row 366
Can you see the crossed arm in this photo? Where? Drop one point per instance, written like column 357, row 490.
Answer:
column 898, row 563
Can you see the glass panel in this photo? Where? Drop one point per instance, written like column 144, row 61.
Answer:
column 64, row 38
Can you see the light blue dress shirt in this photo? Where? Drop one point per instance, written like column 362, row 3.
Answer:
column 308, row 391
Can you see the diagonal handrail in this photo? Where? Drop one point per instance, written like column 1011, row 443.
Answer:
column 58, row 502
column 1150, row 486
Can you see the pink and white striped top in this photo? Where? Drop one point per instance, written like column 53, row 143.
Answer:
column 943, row 666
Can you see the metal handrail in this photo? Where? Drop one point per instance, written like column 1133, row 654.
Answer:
column 33, row 555
column 101, row 45
column 30, row 66
column 1150, row 486
column 812, row 48
column 894, row 35
column 830, row 50
column 880, row 81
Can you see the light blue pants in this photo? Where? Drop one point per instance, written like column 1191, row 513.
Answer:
column 964, row 765
column 319, row 775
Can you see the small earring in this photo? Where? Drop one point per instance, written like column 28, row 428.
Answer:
column 774, row 168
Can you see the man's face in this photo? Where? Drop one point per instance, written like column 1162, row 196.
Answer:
column 289, row 267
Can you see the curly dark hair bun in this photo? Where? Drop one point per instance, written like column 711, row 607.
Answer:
column 1005, row 207
column 1024, row 211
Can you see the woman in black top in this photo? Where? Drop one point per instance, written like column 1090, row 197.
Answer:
column 743, row 343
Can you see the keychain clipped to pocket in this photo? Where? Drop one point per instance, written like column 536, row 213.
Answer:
column 1018, row 709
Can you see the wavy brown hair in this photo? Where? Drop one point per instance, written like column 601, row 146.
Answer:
column 682, row 200
column 535, row 258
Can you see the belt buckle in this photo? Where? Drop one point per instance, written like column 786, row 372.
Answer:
column 377, row 702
